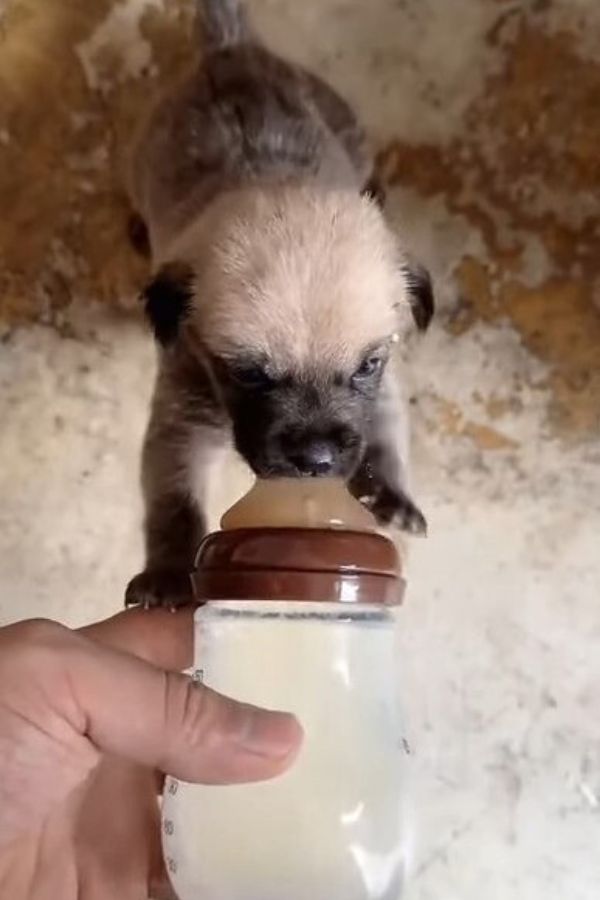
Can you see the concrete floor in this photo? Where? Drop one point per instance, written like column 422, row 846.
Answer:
column 485, row 116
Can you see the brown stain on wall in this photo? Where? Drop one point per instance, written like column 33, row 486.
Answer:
column 528, row 165
column 63, row 229
column 450, row 420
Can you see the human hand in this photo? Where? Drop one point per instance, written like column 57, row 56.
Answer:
column 86, row 721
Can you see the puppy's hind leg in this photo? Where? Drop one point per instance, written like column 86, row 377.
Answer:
column 222, row 23
column 139, row 238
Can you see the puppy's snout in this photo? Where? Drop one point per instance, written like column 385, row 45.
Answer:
column 316, row 457
column 316, row 454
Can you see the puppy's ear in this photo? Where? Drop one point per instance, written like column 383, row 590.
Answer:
column 375, row 191
column 420, row 294
column 167, row 300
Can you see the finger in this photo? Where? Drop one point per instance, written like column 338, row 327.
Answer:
column 117, row 853
column 163, row 720
column 157, row 635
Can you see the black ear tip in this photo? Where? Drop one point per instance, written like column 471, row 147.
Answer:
column 375, row 190
column 420, row 290
column 167, row 300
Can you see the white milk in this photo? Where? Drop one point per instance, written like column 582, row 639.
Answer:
column 332, row 827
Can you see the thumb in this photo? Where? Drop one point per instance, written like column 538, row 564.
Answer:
column 160, row 719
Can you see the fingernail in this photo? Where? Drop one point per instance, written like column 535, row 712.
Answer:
column 271, row 734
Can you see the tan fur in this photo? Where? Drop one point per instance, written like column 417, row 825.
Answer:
column 307, row 278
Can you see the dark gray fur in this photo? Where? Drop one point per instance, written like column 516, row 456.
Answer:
column 243, row 116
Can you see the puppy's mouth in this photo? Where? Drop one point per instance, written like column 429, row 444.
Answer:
column 316, row 457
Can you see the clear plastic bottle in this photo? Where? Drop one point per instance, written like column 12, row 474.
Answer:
column 300, row 619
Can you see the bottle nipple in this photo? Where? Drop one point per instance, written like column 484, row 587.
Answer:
column 298, row 540
column 322, row 503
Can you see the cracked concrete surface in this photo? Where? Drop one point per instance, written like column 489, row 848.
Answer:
column 485, row 116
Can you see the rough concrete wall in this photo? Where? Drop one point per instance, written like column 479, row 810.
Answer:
column 485, row 116
column 484, row 112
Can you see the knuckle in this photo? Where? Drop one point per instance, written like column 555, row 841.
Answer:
column 40, row 632
column 34, row 645
column 189, row 709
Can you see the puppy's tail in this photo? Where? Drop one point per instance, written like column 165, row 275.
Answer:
column 222, row 23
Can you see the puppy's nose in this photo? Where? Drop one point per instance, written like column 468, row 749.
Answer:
column 316, row 458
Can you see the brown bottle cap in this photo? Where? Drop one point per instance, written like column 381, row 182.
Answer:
column 298, row 564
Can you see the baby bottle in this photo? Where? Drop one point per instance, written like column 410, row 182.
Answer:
column 297, row 596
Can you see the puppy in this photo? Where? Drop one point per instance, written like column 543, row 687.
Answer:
column 278, row 294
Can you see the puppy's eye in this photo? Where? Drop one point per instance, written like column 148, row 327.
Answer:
column 253, row 377
column 369, row 368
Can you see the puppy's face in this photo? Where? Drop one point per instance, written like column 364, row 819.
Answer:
column 305, row 420
column 294, row 303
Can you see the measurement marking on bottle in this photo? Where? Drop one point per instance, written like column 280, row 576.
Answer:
column 171, row 865
column 169, row 828
column 405, row 746
column 198, row 676
column 173, row 786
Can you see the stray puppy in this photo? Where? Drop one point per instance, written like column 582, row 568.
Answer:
column 277, row 295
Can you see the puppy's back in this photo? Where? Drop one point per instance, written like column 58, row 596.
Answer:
column 244, row 116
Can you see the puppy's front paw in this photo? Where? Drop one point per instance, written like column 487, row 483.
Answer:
column 167, row 588
column 395, row 508
column 388, row 502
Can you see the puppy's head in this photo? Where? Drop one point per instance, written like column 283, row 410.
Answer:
column 294, row 298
